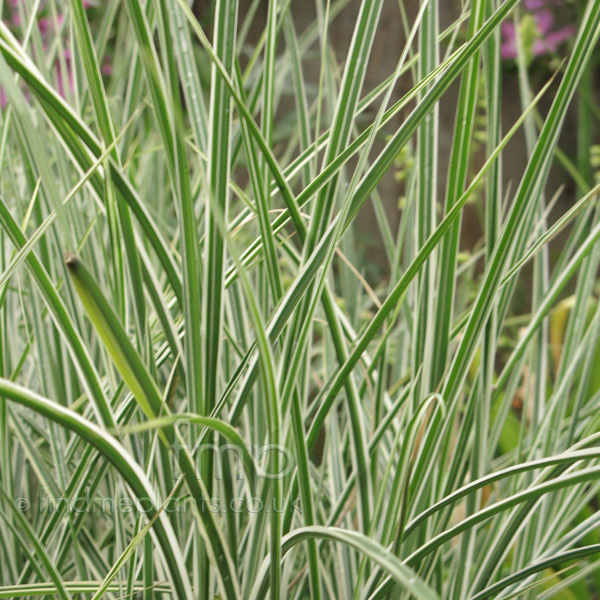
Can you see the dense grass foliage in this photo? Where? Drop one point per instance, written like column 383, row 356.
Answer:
column 206, row 391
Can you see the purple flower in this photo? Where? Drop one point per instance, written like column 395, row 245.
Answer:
column 553, row 40
column 544, row 21
column 535, row 4
column 508, row 48
column 45, row 24
column 535, row 31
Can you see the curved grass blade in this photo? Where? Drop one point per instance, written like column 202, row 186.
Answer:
column 131, row 472
column 404, row 576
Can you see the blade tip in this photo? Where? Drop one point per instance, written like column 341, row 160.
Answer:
column 71, row 259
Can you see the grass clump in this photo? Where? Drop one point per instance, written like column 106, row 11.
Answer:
column 204, row 391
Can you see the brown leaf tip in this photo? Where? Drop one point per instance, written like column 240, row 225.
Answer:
column 71, row 259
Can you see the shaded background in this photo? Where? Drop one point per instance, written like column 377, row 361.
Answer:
column 387, row 49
